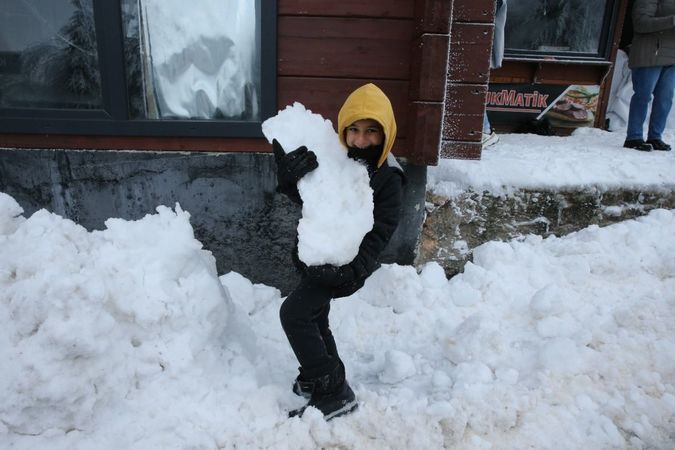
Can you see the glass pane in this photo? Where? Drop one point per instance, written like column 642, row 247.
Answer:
column 48, row 55
column 555, row 25
column 193, row 60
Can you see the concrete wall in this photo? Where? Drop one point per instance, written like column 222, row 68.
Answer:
column 231, row 197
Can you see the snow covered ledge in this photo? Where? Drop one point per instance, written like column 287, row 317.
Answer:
column 529, row 184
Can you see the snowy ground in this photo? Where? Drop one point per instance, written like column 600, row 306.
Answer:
column 589, row 158
column 127, row 338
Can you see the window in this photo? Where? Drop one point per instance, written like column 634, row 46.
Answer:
column 49, row 57
column 137, row 67
column 576, row 29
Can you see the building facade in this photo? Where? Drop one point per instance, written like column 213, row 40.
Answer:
column 110, row 108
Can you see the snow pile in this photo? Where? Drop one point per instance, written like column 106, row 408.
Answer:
column 574, row 333
column 556, row 343
column 88, row 318
column 124, row 338
column 337, row 199
column 590, row 158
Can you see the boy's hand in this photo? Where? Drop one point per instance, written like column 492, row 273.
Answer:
column 293, row 166
column 329, row 275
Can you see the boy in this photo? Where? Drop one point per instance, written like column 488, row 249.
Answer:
column 367, row 128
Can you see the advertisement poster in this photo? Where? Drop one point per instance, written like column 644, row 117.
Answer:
column 571, row 106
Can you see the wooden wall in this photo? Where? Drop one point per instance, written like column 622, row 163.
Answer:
column 468, row 72
column 327, row 49
column 431, row 57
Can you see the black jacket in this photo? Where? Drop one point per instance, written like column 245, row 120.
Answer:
column 387, row 184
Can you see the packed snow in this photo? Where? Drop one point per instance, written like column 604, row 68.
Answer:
column 128, row 338
column 337, row 208
column 590, row 158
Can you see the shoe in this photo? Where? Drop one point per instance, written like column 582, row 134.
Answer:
column 303, row 387
column 489, row 139
column 658, row 144
column 637, row 144
column 331, row 395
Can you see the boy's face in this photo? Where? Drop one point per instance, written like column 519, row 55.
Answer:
column 364, row 133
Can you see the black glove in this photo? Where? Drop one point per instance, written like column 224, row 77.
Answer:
column 294, row 165
column 329, row 275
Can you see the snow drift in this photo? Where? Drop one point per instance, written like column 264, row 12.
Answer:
column 87, row 318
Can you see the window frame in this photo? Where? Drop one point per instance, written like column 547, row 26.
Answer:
column 603, row 54
column 113, row 118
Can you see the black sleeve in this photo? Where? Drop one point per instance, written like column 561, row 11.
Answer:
column 387, row 199
column 290, row 191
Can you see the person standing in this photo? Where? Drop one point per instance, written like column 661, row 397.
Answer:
column 652, row 63
column 367, row 131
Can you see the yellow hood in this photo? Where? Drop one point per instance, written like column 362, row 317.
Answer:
column 369, row 102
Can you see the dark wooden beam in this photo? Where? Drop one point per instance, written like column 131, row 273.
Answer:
column 390, row 9
column 349, row 48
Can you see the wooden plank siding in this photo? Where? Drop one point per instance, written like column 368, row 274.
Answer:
column 400, row 9
column 428, row 78
column 467, row 75
column 344, row 47
column 549, row 72
column 327, row 49
column 322, row 59
column 177, row 143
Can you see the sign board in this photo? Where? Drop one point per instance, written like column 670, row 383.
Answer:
column 570, row 106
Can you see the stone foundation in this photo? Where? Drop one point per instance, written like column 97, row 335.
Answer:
column 455, row 226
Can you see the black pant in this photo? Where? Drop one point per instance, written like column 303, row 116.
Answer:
column 304, row 318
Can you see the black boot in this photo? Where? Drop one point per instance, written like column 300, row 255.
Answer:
column 331, row 395
column 658, row 144
column 302, row 386
column 638, row 144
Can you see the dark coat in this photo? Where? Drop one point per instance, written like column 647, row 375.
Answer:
column 387, row 184
column 653, row 34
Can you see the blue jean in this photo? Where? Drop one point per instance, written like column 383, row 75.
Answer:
column 487, row 128
column 659, row 82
